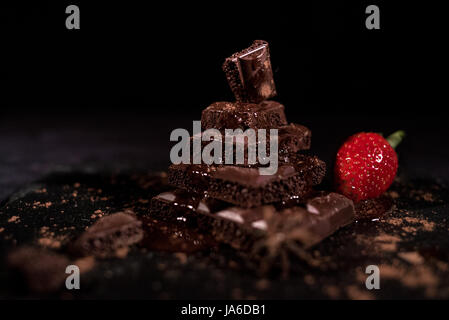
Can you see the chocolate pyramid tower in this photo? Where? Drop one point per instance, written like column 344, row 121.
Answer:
column 235, row 202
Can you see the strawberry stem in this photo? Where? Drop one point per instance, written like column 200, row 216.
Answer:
column 395, row 138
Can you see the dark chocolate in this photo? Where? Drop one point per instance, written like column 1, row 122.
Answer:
column 182, row 204
column 174, row 235
column 322, row 216
column 109, row 234
column 235, row 115
column 249, row 73
column 291, row 139
column 327, row 214
column 246, row 187
column 313, row 221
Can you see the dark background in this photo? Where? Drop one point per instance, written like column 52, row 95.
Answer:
column 110, row 94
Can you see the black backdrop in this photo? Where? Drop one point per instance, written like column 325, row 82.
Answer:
column 136, row 71
column 149, row 55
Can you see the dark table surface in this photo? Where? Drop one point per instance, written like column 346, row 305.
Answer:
column 70, row 153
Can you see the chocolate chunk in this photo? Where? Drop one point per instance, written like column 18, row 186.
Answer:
column 180, row 205
column 235, row 115
column 109, row 234
column 249, row 73
column 291, row 139
column 309, row 221
column 172, row 208
column 322, row 216
column 43, row 271
column 245, row 187
column 327, row 214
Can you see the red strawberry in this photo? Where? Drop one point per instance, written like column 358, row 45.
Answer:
column 366, row 165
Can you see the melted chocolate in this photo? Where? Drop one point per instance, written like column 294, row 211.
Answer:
column 192, row 202
column 323, row 215
column 174, row 236
column 183, row 199
column 250, row 176
column 294, row 201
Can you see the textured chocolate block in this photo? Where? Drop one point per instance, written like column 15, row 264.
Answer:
column 291, row 139
column 311, row 220
column 109, row 234
column 234, row 115
column 249, row 73
column 245, row 186
column 179, row 204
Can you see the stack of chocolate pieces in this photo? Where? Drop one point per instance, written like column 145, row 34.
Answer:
column 237, row 203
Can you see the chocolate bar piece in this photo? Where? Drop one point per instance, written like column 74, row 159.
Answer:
column 310, row 221
column 291, row 139
column 246, row 187
column 322, row 216
column 235, row 115
column 182, row 205
column 109, row 234
column 249, row 73
column 43, row 271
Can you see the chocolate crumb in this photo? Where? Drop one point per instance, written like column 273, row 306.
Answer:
column 411, row 257
column 262, row 284
column 357, row 293
column 373, row 208
column 182, row 257
column 85, row 264
column 332, row 291
column 15, row 219
column 42, row 270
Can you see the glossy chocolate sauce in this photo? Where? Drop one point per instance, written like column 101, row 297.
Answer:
column 251, row 177
column 176, row 236
column 296, row 201
column 181, row 233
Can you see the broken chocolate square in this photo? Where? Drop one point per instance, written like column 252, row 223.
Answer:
column 238, row 115
column 246, row 187
column 308, row 221
column 109, row 234
column 249, row 73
